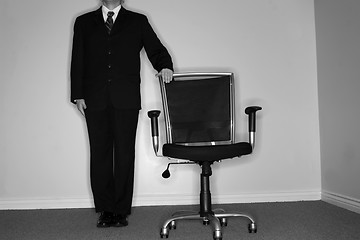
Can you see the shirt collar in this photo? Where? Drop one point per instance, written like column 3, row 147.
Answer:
column 105, row 11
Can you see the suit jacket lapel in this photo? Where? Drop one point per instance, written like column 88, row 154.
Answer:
column 99, row 17
column 120, row 21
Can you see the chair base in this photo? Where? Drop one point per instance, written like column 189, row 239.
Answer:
column 216, row 220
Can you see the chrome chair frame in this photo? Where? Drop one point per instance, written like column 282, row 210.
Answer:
column 215, row 218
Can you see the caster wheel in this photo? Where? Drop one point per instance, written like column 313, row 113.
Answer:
column 252, row 228
column 164, row 233
column 172, row 225
column 217, row 236
column 162, row 236
column 223, row 222
column 206, row 222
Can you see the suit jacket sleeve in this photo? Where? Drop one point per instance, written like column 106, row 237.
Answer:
column 77, row 63
column 155, row 50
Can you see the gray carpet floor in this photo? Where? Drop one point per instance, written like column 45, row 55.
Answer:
column 276, row 221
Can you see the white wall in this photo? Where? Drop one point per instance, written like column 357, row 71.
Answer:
column 338, row 51
column 269, row 45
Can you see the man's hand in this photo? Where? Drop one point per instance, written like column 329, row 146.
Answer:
column 81, row 106
column 166, row 75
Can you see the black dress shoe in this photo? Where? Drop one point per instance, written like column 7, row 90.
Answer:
column 105, row 220
column 119, row 221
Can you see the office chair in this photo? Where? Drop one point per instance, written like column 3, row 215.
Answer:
column 199, row 115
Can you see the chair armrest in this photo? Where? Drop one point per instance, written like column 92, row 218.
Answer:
column 154, row 116
column 251, row 111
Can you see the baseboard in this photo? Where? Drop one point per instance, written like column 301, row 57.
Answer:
column 161, row 199
column 175, row 199
column 48, row 203
column 346, row 202
column 342, row 201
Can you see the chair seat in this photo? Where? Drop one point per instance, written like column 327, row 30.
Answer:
column 207, row 153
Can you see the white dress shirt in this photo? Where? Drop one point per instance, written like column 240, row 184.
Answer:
column 105, row 11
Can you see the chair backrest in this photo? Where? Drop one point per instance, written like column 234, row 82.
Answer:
column 199, row 108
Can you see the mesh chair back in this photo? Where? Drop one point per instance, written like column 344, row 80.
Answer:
column 199, row 108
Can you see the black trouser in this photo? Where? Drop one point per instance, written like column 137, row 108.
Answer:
column 112, row 155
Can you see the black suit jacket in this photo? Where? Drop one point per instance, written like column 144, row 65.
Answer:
column 107, row 67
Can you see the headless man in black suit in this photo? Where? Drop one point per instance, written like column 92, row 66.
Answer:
column 105, row 86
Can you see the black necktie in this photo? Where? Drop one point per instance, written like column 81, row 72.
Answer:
column 109, row 21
